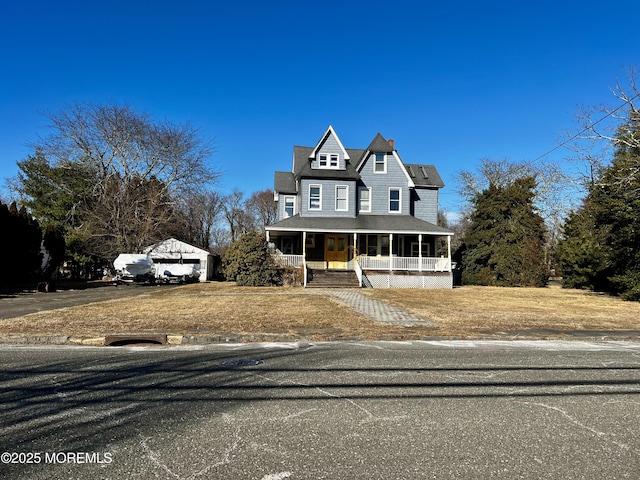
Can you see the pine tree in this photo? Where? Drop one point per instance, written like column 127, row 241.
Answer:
column 601, row 244
column 505, row 243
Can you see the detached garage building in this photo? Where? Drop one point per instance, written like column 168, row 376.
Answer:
column 172, row 251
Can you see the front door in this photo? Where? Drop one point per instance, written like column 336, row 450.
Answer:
column 336, row 251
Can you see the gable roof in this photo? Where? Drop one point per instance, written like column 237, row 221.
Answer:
column 330, row 132
column 173, row 245
column 418, row 175
column 424, row 175
column 380, row 145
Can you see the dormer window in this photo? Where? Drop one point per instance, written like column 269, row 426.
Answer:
column 328, row 160
column 379, row 163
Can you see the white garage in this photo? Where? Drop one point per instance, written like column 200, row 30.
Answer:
column 169, row 253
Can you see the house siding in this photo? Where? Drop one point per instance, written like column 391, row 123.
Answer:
column 380, row 183
column 425, row 206
column 328, row 198
column 281, row 205
column 330, row 146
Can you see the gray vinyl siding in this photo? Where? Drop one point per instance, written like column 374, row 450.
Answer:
column 425, row 206
column 281, row 205
column 330, row 146
column 328, row 198
column 380, row 183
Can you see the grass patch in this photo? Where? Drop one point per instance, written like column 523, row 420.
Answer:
column 225, row 309
column 473, row 310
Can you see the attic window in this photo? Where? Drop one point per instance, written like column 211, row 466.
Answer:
column 326, row 160
column 380, row 163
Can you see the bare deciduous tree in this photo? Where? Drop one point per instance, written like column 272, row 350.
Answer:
column 605, row 129
column 202, row 212
column 263, row 208
column 235, row 212
column 140, row 170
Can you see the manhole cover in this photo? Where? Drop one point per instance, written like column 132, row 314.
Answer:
column 241, row 362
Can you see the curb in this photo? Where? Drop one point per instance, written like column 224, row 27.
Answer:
column 221, row 339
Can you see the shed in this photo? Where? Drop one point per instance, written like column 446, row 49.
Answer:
column 172, row 251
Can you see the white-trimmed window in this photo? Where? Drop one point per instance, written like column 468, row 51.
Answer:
column 315, row 197
column 379, row 163
column 365, row 199
column 342, row 195
column 289, row 206
column 395, row 200
column 328, row 160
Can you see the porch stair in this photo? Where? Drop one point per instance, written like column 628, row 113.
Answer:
column 332, row 279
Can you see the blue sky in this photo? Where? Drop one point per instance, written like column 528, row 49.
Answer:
column 450, row 82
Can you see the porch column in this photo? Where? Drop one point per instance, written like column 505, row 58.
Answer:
column 420, row 252
column 304, row 258
column 449, row 250
column 355, row 245
column 267, row 233
column 391, row 252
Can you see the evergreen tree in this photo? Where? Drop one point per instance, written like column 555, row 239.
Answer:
column 21, row 240
column 583, row 252
column 505, row 242
column 248, row 262
column 601, row 244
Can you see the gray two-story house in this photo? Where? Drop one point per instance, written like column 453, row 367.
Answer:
column 363, row 211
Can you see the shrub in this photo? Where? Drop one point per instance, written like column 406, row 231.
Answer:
column 248, row 262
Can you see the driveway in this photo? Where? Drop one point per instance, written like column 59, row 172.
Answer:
column 19, row 304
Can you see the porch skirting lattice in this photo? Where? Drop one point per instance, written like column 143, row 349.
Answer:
column 395, row 280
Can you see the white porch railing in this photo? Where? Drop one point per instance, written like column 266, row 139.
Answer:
column 358, row 269
column 289, row 260
column 429, row 264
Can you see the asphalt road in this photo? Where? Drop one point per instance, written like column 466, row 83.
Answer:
column 370, row 410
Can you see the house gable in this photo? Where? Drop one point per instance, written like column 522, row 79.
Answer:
column 381, row 158
column 329, row 153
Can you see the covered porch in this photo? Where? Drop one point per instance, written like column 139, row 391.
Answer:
column 374, row 255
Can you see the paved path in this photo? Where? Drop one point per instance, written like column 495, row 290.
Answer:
column 376, row 310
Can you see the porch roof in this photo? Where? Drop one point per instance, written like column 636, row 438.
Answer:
column 401, row 224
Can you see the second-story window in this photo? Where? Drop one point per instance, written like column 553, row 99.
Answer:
column 315, row 197
column 395, row 202
column 289, row 206
column 365, row 199
column 342, row 192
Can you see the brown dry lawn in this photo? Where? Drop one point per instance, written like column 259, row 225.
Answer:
column 276, row 313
